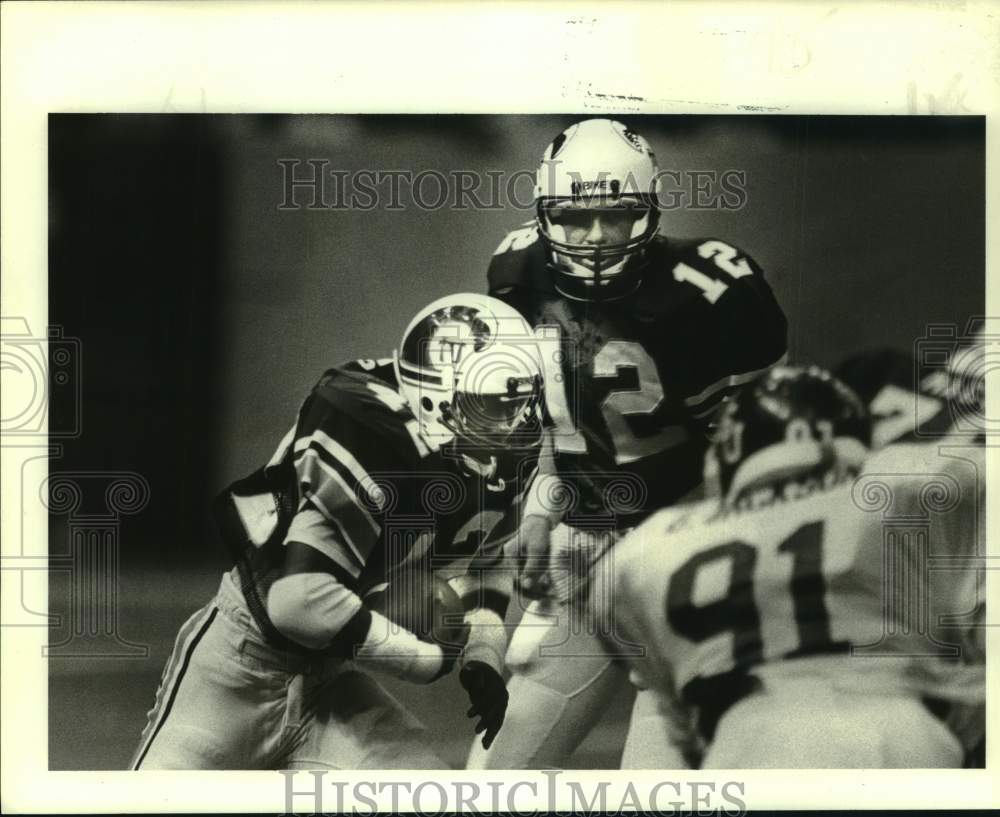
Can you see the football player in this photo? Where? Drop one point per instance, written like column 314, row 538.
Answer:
column 421, row 459
column 909, row 402
column 643, row 336
column 798, row 614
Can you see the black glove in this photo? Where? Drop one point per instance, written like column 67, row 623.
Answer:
column 488, row 696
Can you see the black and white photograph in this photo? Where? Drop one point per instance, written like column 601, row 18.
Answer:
column 600, row 439
column 664, row 295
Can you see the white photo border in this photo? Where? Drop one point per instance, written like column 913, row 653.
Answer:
column 233, row 57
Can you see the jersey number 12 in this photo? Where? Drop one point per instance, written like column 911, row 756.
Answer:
column 616, row 407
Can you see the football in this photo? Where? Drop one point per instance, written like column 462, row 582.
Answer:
column 423, row 603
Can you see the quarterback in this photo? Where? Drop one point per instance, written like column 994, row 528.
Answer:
column 419, row 460
column 816, row 612
column 642, row 338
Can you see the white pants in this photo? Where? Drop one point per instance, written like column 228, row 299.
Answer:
column 228, row 700
column 563, row 678
column 809, row 724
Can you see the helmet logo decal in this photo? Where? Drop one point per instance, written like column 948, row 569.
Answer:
column 446, row 345
column 557, row 145
column 633, row 139
column 453, row 332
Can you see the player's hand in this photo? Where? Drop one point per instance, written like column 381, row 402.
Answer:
column 488, row 696
column 533, row 580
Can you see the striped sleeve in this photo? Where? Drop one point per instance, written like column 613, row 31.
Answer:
column 704, row 404
column 336, row 484
column 345, row 446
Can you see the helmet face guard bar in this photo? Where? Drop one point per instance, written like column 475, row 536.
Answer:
column 592, row 283
column 492, row 420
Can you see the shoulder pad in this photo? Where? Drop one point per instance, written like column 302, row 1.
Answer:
column 361, row 412
column 519, row 262
column 378, row 368
column 937, row 480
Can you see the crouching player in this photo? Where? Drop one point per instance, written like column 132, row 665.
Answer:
column 796, row 616
column 420, row 460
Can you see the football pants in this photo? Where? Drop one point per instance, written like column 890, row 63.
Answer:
column 228, row 700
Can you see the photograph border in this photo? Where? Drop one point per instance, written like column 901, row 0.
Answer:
column 593, row 59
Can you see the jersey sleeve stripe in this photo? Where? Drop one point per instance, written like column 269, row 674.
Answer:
column 354, row 560
column 730, row 381
column 711, row 405
column 417, row 375
column 324, row 486
column 315, row 463
column 337, row 454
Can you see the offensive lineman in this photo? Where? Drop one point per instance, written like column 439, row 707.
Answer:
column 643, row 336
column 909, row 402
column 796, row 614
column 422, row 462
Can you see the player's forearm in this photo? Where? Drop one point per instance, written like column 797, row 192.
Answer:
column 543, row 509
column 542, row 500
column 320, row 613
column 396, row 651
column 485, row 595
column 543, row 496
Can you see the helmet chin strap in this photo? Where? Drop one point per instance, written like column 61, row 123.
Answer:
column 484, row 469
column 435, row 435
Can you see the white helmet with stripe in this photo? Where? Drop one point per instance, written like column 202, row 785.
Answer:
column 470, row 369
column 602, row 166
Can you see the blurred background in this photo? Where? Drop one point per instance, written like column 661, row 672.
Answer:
column 206, row 309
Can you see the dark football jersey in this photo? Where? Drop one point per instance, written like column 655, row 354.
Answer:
column 909, row 402
column 632, row 384
column 356, row 456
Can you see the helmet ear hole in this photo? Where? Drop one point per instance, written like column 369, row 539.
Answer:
column 427, row 403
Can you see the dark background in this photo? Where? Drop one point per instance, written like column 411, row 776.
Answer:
column 205, row 313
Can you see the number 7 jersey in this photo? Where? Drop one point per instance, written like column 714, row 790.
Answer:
column 870, row 584
column 632, row 383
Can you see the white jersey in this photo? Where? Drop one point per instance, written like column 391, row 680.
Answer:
column 869, row 583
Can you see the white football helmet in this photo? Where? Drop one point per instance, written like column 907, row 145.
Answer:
column 470, row 369
column 600, row 165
